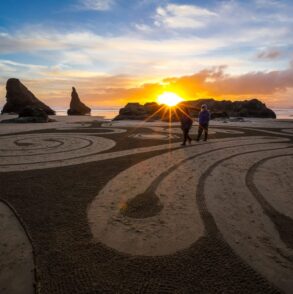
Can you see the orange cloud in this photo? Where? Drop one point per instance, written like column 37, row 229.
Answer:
column 267, row 86
column 272, row 87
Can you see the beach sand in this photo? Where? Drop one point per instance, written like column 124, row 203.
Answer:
column 121, row 207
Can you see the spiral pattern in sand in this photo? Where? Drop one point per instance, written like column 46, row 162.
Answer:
column 34, row 151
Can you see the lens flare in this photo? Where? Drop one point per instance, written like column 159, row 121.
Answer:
column 169, row 98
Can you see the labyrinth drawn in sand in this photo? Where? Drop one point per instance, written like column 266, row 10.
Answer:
column 234, row 191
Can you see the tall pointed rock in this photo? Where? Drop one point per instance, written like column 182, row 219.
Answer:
column 76, row 106
column 19, row 97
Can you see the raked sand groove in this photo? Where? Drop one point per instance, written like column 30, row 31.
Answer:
column 61, row 121
column 288, row 131
column 276, row 206
column 272, row 177
column 178, row 224
column 25, row 152
column 154, row 136
column 46, row 150
column 282, row 133
column 212, row 130
column 242, row 219
column 39, row 151
column 16, row 258
column 101, row 131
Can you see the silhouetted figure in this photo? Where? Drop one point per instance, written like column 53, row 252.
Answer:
column 186, row 124
column 203, row 122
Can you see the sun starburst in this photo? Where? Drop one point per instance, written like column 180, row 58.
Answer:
column 170, row 99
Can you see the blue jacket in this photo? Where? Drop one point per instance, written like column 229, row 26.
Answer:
column 204, row 117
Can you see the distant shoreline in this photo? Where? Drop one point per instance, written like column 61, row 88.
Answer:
column 110, row 113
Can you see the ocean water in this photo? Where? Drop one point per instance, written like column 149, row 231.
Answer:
column 283, row 113
column 109, row 113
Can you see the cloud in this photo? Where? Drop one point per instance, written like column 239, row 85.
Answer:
column 213, row 82
column 10, row 68
column 27, row 42
column 72, row 57
column 171, row 55
column 98, row 5
column 216, row 83
column 86, row 50
column 269, row 54
column 182, row 16
column 269, row 3
column 143, row 28
column 101, row 90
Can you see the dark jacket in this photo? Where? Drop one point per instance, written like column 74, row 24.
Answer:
column 204, row 117
column 185, row 120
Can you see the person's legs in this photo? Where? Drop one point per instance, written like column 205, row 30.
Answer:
column 206, row 131
column 199, row 133
column 185, row 136
column 188, row 137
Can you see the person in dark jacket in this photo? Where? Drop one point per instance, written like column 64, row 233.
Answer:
column 186, row 124
column 203, row 122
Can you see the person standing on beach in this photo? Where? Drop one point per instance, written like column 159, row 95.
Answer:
column 203, row 122
column 186, row 124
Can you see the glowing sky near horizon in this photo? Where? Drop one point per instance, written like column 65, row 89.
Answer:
column 118, row 51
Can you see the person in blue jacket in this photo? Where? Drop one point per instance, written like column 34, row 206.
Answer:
column 203, row 122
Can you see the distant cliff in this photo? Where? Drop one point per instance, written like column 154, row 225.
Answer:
column 224, row 108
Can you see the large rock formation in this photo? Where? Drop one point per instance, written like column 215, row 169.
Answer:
column 136, row 111
column 76, row 106
column 218, row 109
column 30, row 114
column 246, row 108
column 18, row 97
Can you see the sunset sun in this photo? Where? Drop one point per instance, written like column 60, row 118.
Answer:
column 169, row 98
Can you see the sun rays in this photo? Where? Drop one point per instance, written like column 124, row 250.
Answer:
column 169, row 106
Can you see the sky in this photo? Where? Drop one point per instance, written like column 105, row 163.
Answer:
column 119, row 51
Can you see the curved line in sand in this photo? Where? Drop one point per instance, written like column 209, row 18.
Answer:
column 30, row 151
column 272, row 179
column 102, row 131
column 16, row 259
column 178, row 225
column 287, row 131
column 93, row 153
column 212, row 130
column 233, row 209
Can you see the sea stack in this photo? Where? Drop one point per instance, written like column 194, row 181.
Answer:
column 76, row 106
column 219, row 109
column 18, row 97
column 136, row 111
